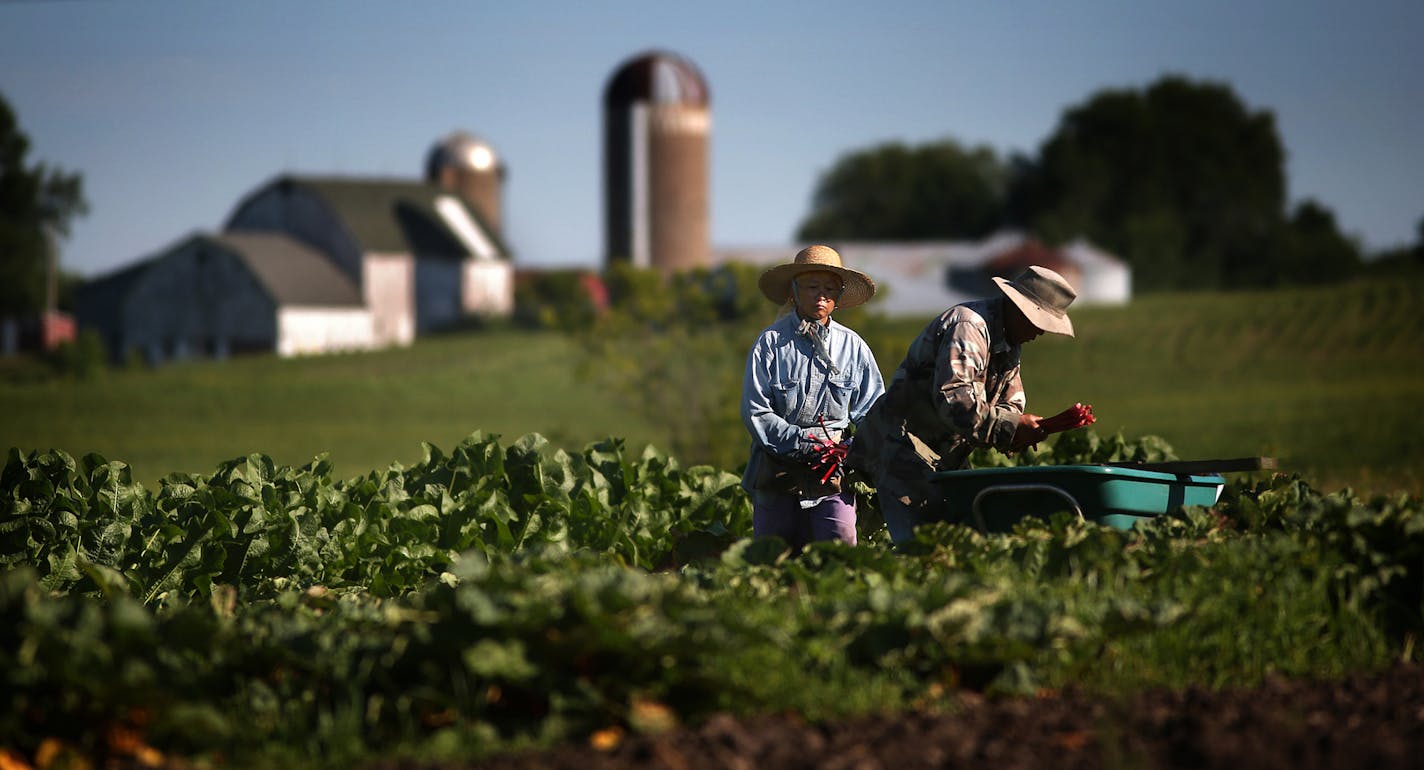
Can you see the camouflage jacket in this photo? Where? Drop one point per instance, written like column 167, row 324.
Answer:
column 959, row 386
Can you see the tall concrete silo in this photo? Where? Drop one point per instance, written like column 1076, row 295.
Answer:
column 656, row 123
column 466, row 164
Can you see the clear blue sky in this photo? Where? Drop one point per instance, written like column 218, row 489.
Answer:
column 174, row 110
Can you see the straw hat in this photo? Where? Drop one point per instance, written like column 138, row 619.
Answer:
column 1043, row 296
column 776, row 282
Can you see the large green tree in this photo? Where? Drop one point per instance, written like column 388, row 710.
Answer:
column 1182, row 180
column 1309, row 249
column 894, row 191
column 36, row 203
column 1401, row 258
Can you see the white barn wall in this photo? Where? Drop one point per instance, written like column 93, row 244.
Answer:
column 316, row 330
column 487, row 288
column 197, row 300
column 388, row 290
column 1106, row 280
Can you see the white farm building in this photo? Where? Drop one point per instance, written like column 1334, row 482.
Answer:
column 925, row 277
column 308, row 265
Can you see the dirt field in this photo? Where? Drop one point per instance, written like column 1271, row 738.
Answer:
column 1374, row 721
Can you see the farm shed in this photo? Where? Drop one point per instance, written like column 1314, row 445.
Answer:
column 925, row 277
column 214, row 295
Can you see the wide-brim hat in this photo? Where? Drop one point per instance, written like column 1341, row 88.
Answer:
column 775, row 283
column 1043, row 296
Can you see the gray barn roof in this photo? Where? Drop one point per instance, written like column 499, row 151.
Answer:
column 393, row 215
column 292, row 273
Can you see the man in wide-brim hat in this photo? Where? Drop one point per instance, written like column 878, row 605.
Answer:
column 808, row 379
column 957, row 390
column 856, row 287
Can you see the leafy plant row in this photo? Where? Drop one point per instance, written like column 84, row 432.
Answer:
column 88, row 528
column 561, row 630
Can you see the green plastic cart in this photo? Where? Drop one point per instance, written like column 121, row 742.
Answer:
column 1117, row 495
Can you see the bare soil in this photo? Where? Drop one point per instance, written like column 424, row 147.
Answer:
column 1366, row 721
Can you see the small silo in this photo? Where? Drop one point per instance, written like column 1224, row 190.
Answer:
column 656, row 123
column 465, row 164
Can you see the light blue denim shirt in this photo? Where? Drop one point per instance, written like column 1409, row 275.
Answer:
column 789, row 386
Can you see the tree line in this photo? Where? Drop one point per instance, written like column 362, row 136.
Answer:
column 37, row 204
column 1180, row 179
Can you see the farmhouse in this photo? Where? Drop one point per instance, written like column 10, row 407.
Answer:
column 309, row 265
column 924, row 278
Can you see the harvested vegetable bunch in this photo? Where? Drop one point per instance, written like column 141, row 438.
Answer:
column 1075, row 416
column 830, row 456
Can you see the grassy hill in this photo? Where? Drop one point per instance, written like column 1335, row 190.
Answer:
column 1328, row 380
column 366, row 410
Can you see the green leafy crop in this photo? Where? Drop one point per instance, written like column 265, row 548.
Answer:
column 498, row 596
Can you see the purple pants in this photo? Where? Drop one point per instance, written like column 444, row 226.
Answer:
column 783, row 516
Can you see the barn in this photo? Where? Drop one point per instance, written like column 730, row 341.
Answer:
column 308, row 265
column 422, row 257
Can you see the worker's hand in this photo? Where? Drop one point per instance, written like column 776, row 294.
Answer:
column 1028, row 433
column 829, row 457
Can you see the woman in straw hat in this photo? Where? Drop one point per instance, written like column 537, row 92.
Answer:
column 808, row 379
column 958, row 389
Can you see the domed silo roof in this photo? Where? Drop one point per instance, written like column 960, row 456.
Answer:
column 460, row 152
column 468, row 165
column 660, row 77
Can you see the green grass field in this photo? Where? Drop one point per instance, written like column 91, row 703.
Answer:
column 1327, row 380
column 366, row 410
